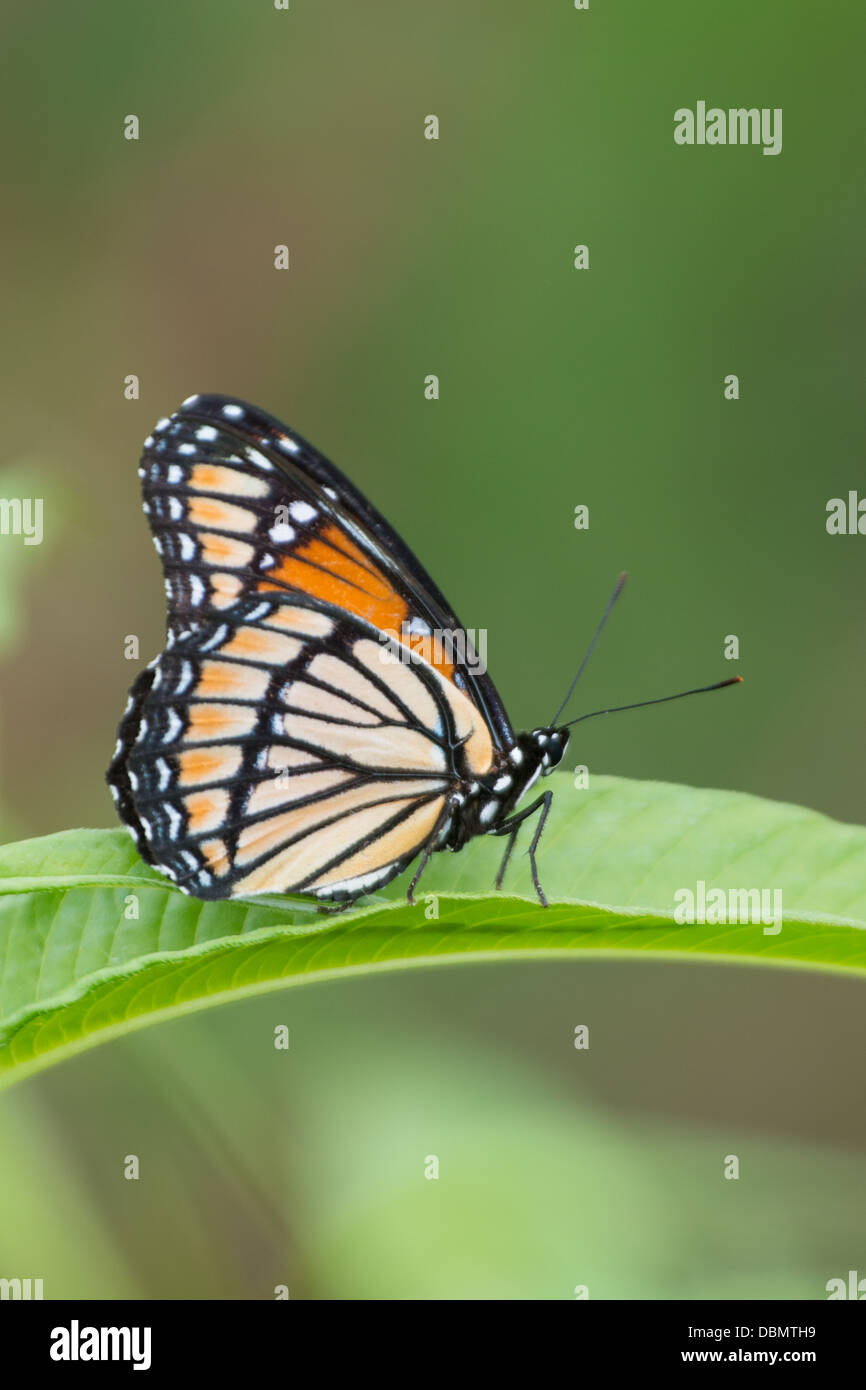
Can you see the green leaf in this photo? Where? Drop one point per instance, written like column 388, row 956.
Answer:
column 78, row 966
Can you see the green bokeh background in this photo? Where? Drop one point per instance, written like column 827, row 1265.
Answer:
column 558, row 387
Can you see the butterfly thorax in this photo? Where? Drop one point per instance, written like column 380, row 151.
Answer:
column 483, row 803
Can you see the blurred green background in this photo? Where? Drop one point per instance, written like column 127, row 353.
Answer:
column 558, row 387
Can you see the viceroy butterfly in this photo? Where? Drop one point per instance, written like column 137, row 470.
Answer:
column 276, row 744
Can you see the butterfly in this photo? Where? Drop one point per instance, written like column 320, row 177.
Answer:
column 313, row 725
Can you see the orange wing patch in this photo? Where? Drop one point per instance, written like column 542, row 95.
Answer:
column 206, row 810
column 197, row 765
column 331, row 567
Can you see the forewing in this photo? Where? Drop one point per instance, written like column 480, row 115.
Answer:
column 238, row 504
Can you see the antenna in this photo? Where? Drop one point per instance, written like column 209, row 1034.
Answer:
column 661, row 700
column 620, row 583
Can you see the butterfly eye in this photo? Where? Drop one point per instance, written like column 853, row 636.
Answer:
column 551, row 744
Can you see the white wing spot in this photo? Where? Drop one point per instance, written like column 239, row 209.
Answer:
column 216, row 640
column 233, row 412
column 207, row 433
column 185, row 678
column 281, row 534
column 175, row 724
column 301, row 512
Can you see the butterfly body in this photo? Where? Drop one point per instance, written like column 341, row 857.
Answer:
column 306, row 729
column 482, row 806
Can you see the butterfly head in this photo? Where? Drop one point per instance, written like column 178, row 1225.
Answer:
column 548, row 747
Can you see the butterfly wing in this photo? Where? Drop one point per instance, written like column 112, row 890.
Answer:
column 274, row 748
column 238, row 503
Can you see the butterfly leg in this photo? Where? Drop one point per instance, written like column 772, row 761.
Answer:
column 428, row 850
column 511, row 827
column 512, row 841
column 329, row 909
column 548, row 801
